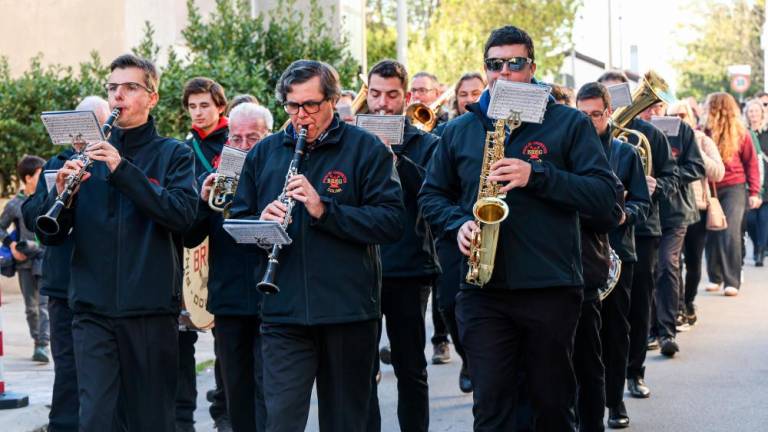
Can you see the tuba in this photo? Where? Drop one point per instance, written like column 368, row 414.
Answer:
column 490, row 209
column 222, row 193
column 645, row 95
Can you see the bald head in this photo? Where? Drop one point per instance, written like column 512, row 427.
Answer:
column 99, row 106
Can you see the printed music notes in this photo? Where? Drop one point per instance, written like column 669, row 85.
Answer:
column 387, row 127
column 231, row 161
column 528, row 99
column 69, row 127
column 262, row 233
column 670, row 125
column 620, row 95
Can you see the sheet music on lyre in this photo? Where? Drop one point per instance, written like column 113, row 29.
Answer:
column 620, row 95
column 530, row 100
column 262, row 233
column 670, row 125
column 231, row 161
column 387, row 127
column 69, row 127
column 50, row 179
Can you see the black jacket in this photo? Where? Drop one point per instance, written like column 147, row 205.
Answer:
column 56, row 261
column 125, row 261
column 539, row 244
column 331, row 273
column 414, row 254
column 679, row 209
column 664, row 171
column 210, row 147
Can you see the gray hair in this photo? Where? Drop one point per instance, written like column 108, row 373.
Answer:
column 98, row 105
column 249, row 110
column 302, row 71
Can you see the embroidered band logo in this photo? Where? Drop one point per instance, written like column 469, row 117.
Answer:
column 334, row 180
column 535, row 150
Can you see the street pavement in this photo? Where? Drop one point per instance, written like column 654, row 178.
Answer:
column 717, row 382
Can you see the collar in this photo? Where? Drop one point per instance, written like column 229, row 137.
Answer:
column 134, row 137
column 222, row 124
column 332, row 135
column 606, row 139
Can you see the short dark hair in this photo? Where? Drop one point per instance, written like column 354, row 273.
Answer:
column 509, row 35
column 613, row 75
column 201, row 85
column 28, row 165
column 760, row 94
column 562, row 94
column 594, row 90
column 241, row 99
column 151, row 79
column 302, row 71
column 389, row 68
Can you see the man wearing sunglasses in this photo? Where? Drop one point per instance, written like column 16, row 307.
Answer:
column 523, row 320
column 322, row 325
column 137, row 198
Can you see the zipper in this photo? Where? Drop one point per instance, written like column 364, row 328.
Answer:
column 119, row 248
column 303, row 248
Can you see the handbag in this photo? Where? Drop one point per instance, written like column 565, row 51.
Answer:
column 716, row 220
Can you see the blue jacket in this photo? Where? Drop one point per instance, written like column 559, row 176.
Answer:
column 331, row 273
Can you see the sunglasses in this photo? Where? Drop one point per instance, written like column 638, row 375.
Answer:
column 514, row 64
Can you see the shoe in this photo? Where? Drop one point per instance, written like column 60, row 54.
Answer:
column 223, row 424
column 385, row 355
column 441, row 353
column 668, row 346
column 210, row 394
column 712, row 286
column 41, row 354
column 465, row 382
column 731, row 291
column 653, row 343
column 617, row 417
column 690, row 315
column 681, row 322
column 637, row 388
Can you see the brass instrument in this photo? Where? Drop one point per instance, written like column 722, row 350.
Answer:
column 614, row 273
column 223, row 191
column 490, row 209
column 645, row 95
column 424, row 117
column 360, row 104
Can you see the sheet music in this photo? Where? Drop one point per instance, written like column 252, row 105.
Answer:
column 670, row 125
column 528, row 99
column 262, row 233
column 50, row 179
column 387, row 127
column 231, row 161
column 620, row 95
column 69, row 127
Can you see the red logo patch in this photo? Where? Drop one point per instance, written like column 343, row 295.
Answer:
column 675, row 152
column 334, row 180
column 535, row 150
column 154, row 181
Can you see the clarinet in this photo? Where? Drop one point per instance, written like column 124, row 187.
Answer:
column 48, row 223
column 267, row 284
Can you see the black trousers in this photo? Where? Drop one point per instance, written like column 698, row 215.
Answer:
column 447, row 286
column 186, row 381
column 218, row 406
column 588, row 365
column 404, row 302
column 239, row 354
column 614, row 336
column 65, row 406
column 668, row 281
column 440, row 332
column 643, row 287
column 339, row 356
column 693, row 252
column 134, row 358
column 496, row 327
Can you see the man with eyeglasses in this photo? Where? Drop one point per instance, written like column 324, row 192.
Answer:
column 322, row 325
column 523, row 320
column 135, row 201
column 610, row 339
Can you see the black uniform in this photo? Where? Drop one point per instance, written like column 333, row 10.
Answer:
column 531, row 303
column 409, row 270
column 323, row 323
column 236, row 304
column 125, row 281
column 647, row 239
column 625, row 163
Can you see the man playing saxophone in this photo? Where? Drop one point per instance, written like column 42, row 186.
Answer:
column 322, row 324
column 524, row 317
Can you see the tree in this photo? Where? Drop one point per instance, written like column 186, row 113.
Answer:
column 729, row 34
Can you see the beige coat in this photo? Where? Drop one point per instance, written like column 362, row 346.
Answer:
column 713, row 167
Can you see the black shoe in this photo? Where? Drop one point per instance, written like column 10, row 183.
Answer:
column 637, row 388
column 653, row 343
column 668, row 346
column 385, row 355
column 617, row 417
column 441, row 353
column 465, row 382
column 681, row 322
column 690, row 314
column 210, row 394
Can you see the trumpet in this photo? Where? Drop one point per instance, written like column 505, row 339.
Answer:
column 48, row 223
column 222, row 193
column 423, row 116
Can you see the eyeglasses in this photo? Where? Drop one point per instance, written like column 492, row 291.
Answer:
column 514, row 64
column 421, row 90
column 595, row 115
column 310, row 107
column 250, row 139
column 130, row 87
column 682, row 115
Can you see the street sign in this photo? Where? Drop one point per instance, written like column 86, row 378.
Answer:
column 740, row 83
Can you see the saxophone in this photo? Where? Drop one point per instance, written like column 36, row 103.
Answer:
column 489, row 209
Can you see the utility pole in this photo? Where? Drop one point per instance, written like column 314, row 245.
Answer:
column 764, row 46
column 402, row 32
column 610, row 37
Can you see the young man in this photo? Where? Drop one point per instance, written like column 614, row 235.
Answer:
column 409, row 267
column 125, row 280
column 64, row 415
column 594, row 100
column 232, row 296
column 322, row 325
column 28, row 256
column 524, row 318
